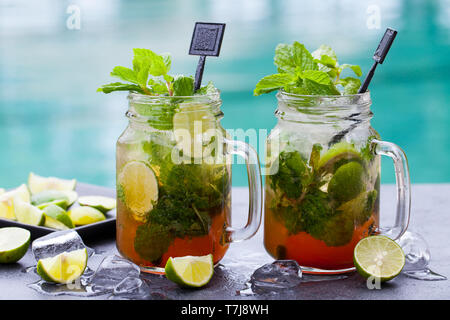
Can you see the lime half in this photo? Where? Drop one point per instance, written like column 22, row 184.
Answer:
column 104, row 204
column 14, row 243
column 379, row 257
column 7, row 201
column 138, row 188
column 190, row 271
column 63, row 268
column 38, row 184
column 85, row 215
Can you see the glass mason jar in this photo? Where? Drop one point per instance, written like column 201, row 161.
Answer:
column 322, row 189
column 173, row 165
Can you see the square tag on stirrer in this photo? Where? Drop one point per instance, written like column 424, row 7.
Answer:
column 206, row 41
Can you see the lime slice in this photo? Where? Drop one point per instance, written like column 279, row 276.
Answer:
column 104, row 204
column 61, row 198
column 85, row 215
column 339, row 154
column 190, row 271
column 38, row 184
column 7, row 201
column 14, row 243
column 379, row 257
column 62, row 203
column 189, row 126
column 138, row 188
column 64, row 268
column 2, row 191
column 27, row 213
column 53, row 212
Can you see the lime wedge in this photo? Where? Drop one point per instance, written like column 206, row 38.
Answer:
column 64, row 268
column 189, row 126
column 38, row 184
column 2, row 191
column 338, row 155
column 53, row 212
column 14, row 243
column 379, row 257
column 138, row 188
column 190, row 271
column 27, row 213
column 85, row 215
column 62, row 203
column 7, row 201
column 104, row 204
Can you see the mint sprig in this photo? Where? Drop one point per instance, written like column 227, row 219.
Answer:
column 302, row 72
column 150, row 76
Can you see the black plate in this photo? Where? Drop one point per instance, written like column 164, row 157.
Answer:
column 94, row 230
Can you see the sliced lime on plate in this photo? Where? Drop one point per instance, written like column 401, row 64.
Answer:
column 27, row 213
column 63, row 268
column 7, row 201
column 379, row 257
column 138, row 188
column 104, row 204
column 190, row 271
column 85, row 215
column 55, row 216
column 14, row 243
column 38, row 184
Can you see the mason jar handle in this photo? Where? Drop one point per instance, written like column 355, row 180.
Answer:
column 251, row 158
column 403, row 186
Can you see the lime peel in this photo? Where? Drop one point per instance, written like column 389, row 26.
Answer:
column 190, row 271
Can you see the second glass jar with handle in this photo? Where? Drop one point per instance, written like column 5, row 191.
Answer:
column 322, row 190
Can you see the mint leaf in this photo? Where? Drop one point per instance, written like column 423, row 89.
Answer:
column 356, row 69
column 318, row 83
column 208, row 89
column 150, row 76
column 124, row 74
column 118, row 86
column 324, row 50
column 141, row 64
column 183, row 86
column 320, row 77
column 292, row 58
column 273, row 82
column 351, row 85
column 315, row 88
column 157, row 86
column 167, row 61
column 326, row 61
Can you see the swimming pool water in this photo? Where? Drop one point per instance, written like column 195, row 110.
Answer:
column 53, row 122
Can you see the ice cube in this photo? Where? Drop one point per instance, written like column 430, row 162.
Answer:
column 128, row 285
column 111, row 272
column 56, row 243
column 277, row 276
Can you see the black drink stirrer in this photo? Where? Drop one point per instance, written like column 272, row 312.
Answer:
column 379, row 56
column 206, row 41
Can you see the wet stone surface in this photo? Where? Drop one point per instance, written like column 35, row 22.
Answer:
column 248, row 272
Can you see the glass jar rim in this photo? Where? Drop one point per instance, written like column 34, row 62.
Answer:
column 158, row 99
column 330, row 100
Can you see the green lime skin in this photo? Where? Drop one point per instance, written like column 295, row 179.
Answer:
column 347, row 182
